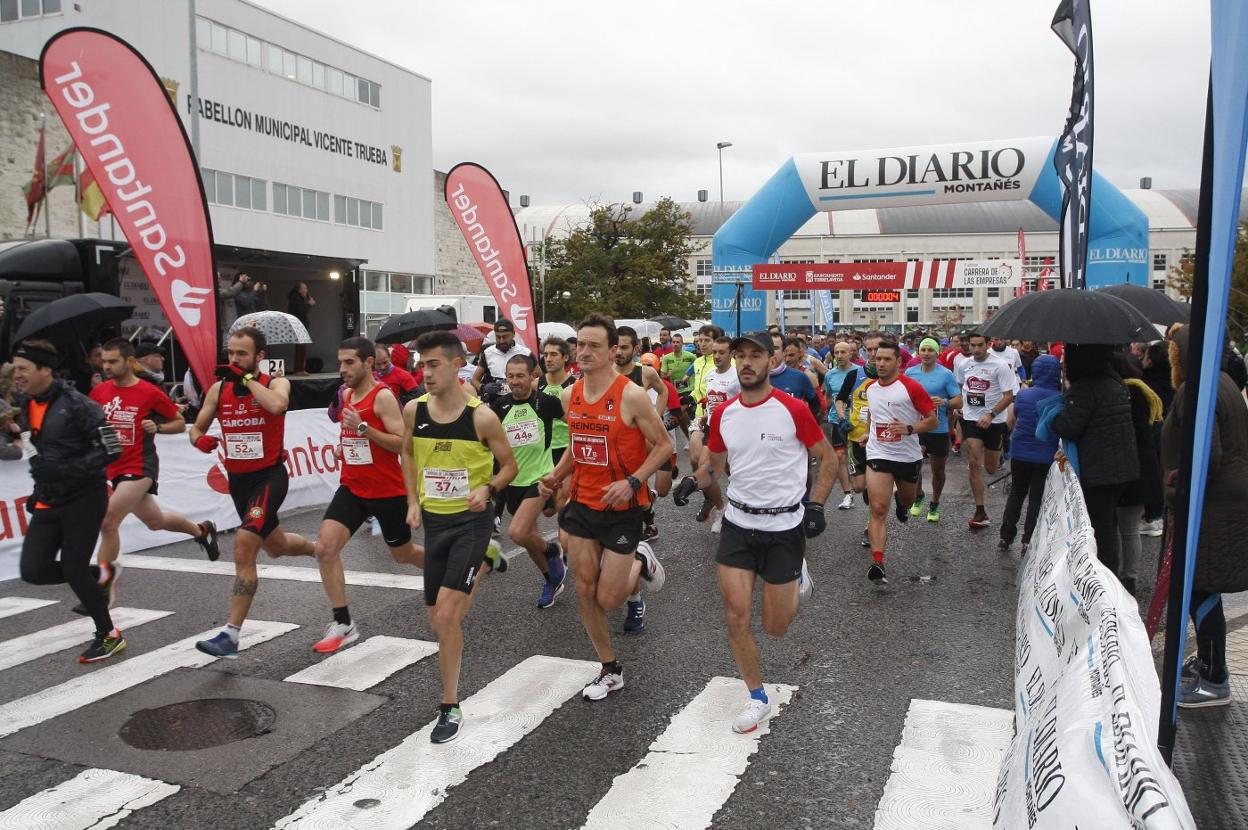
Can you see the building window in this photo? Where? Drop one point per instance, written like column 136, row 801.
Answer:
column 1159, row 283
column 953, row 293
column 795, row 296
column 701, row 267
column 994, row 292
column 912, row 293
column 1159, row 263
column 912, row 314
column 704, row 290
column 357, row 212
column 300, row 202
column 235, row 191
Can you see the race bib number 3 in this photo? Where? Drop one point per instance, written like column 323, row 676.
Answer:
column 446, row 484
column 244, row 446
column 590, row 449
column 356, row 451
column 523, row 433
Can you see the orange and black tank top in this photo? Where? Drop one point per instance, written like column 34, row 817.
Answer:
column 604, row 449
column 253, row 436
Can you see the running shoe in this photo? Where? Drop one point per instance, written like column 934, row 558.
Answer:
column 1204, row 692
column 751, row 715
column 916, row 509
column 933, row 513
column 494, row 555
column 336, row 636
column 1153, row 528
column 635, row 616
column 103, row 647
column 376, row 526
column 208, row 540
column 847, row 503
column 447, row 727
column 866, row 540
column 979, row 520
column 876, row 574
column 685, row 489
column 704, row 512
column 551, row 588
column 652, row 574
column 1191, row 671
column 558, row 572
column 957, row 448
column 903, row 514
column 717, row 520
column 604, row 684
column 498, row 524
column 650, row 533
column 109, row 585
column 805, row 585
column 219, row 646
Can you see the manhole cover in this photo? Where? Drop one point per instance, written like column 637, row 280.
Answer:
column 197, row 724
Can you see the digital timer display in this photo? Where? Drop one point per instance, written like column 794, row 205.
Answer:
column 881, row 296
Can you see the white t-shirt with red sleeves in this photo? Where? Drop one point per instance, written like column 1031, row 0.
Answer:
column 984, row 383
column 767, row 445
column 903, row 399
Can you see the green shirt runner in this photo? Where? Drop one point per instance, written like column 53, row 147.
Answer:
column 559, row 439
column 675, row 367
column 528, row 425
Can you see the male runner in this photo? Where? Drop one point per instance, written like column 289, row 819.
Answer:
column 790, row 377
column 647, row 378
column 528, row 419
column 1001, row 348
column 718, row 387
column 370, row 483
column 450, row 443
column 899, row 410
column 676, row 363
column 401, row 382
column 558, row 354
column 841, row 367
column 252, row 409
column 138, row 411
column 851, row 409
column 612, row 424
column 704, row 342
column 766, row 437
column 988, row 385
column 946, row 395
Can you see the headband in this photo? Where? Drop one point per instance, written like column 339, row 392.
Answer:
column 928, row 341
column 43, row 358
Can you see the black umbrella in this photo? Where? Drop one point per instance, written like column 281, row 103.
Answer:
column 1156, row 305
column 1070, row 316
column 411, row 324
column 80, row 314
column 670, row 321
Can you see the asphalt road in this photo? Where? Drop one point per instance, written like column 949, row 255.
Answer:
column 857, row 653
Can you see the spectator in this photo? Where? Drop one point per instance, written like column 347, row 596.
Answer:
column 1030, row 455
column 299, row 303
column 9, row 430
column 1157, row 375
column 150, row 363
column 248, row 295
column 1027, row 354
column 400, row 381
column 1146, row 410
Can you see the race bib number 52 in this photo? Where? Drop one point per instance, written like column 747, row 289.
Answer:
column 590, row 449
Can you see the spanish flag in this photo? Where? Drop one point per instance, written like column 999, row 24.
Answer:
column 61, row 168
column 36, row 189
column 90, row 197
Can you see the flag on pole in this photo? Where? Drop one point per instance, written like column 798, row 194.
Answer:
column 36, row 190
column 90, row 198
column 1073, row 157
column 61, row 168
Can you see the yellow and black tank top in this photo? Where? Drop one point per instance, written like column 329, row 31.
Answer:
column 452, row 460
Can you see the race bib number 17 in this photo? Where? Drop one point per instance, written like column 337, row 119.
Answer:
column 590, row 449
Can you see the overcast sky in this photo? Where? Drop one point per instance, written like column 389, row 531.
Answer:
column 590, row 101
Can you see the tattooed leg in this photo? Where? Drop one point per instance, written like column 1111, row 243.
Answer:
column 246, row 547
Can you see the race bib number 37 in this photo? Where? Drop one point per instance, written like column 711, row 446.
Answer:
column 590, row 449
column 446, row 484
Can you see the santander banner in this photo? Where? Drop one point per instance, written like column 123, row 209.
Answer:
column 486, row 221
column 931, row 273
column 124, row 125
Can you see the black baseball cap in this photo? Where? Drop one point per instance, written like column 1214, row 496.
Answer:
column 503, row 324
column 757, row 338
column 145, row 349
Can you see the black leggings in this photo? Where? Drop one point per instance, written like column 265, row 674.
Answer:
column 1026, row 482
column 72, row 530
column 1210, row 622
column 1102, row 504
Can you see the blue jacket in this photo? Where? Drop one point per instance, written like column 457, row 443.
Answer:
column 1046, row 374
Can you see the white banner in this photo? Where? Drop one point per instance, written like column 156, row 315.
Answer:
column 192, row 484
column 1087, row 698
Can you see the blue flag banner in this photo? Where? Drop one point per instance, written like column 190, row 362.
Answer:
column 1073, row 157
column 814, row 312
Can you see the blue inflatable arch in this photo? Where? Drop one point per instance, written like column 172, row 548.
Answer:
column 974, row 172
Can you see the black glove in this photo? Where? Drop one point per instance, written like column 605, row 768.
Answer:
column 684, row 490
column 844, row 427
column 814, row 523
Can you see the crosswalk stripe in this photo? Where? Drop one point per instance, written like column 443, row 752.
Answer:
column 94, row 799
column 397, row 788
column 944, row 771
column 60, row 637
column 365, row 665
column 96, row 685
column 692, row 768
column 11, row 606
column 368, row 579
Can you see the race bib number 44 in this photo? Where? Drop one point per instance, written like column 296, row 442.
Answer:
column 523, row 433
column 244, row 446
column 590, row 449
column 446, row 484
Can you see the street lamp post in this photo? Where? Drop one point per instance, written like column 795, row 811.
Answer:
column 720, row 147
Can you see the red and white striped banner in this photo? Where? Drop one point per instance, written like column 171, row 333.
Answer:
column 931, row 273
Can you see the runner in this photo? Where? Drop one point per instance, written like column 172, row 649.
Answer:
column 766, row 437
column 718, row 387
column 946, row 395
column 788, row 376
column 841, row 367
column 69, row 444
column 988, row 385
column 899, row 411
column 450, row 444
column 370, row 483
column 557, row 353
column 528, row 419
column 676, row 363
column 138, row 411
column 851, row 409
column 647, row 378
column 1001, row 348
column 618, row 442
column 252, row 409
column 400, row 381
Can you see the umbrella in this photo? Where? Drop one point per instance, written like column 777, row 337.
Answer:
column 1071, row 316
column 1156, row 305
column 82, row 313
column 470, row 335
column 410, row 324
column 563, row 330
column 277, row 327
column 670, row 321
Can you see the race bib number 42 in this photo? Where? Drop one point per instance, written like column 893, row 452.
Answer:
column 244, row 446
column 590, row 449
column 446, row 484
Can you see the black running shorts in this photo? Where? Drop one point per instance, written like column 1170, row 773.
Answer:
column 856, row 458
column 512, row 496
column 775, row 555
column 151, row 489
column 619, row 531
column 900, row 470
column 350, row 511
column 454, row 550
column 993, row 437
column 258, row 496
column 935, row 443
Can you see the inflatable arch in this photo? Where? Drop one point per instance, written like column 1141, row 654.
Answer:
column 905, row 176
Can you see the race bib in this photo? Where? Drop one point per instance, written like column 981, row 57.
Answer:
column 590, row 449
column 974, row 400
column 446, row 484
column 356, row 451
column 244, row 446
column 523, row 433
column 862, row 413
column 883, row 433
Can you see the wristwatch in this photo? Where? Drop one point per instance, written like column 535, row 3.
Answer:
column 492, row 489
column 362, row 429
column 909, row 429
column 633, row 482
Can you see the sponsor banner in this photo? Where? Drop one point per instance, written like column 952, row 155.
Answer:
column 487, row 223
column 932, row 273
column 1073, row 157
column 1086, row 690
column 825, row 303
column 975, row 171
column 192, row 484
column 120, row 117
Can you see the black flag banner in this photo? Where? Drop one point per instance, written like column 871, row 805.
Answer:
column 1073, row 158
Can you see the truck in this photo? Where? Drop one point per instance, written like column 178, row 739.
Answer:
column 469, row 308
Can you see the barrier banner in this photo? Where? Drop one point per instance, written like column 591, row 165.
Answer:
column 192, row 484
column 1086, row 691
column 123, row 122
column 485, row 219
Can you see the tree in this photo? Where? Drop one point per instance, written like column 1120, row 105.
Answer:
column 1181, row 275
column 625, row 266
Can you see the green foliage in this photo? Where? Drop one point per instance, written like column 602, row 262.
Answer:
column 625, row 266
column 1181, row 275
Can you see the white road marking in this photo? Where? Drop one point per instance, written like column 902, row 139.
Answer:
column 60, row 637
column 692, row 768
column 363, row 666
column 92, row 800
column 11, row 606
column 399, row 787
column 96, row 685
column 944, row 771
column 292, row 573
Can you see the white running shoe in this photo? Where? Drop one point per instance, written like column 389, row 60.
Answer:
column 805, row 585
column 604, row 684
column 376, row 529
column 847, row 503
column 1153, row 528
column 754, row 713
column 718, row 520
column 336, row 636
column 652, row 574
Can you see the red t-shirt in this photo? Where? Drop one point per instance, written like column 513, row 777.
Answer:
column 946, row 357
column 126, row 407
column 398, row 379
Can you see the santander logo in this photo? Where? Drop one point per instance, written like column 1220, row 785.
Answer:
column 519, row 314
column 187, row 298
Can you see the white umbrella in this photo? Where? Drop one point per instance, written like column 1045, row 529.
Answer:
column 563, row 330
column 276, row 326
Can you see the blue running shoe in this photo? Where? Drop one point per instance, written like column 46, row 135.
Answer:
column 554, row 581
column 635, row 620
column 219, row 646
